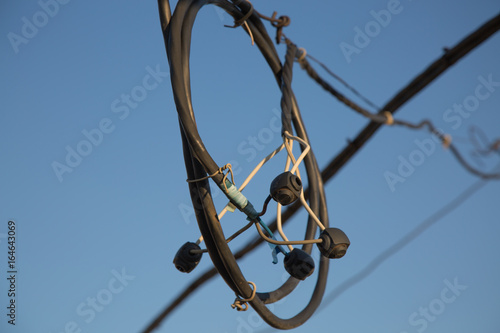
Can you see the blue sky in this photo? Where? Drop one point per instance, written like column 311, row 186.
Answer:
column 92, row 169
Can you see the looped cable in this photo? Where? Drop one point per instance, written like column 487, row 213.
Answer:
column 240, row 304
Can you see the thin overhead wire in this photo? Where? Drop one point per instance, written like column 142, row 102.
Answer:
column 385, row 117
column 449, row 58
column 344, row 83
column 406, row 239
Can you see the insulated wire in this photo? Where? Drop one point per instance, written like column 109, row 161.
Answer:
column 177, row 43
column 433, row 71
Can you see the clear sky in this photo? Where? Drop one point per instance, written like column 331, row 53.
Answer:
column 93, row 176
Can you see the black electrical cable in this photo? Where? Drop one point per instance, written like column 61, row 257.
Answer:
column 177, row 34
column 460, row 50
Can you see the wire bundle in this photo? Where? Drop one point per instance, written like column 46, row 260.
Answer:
column 177, row 30
column 431, row 72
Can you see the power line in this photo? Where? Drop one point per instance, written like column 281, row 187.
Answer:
column 344, row 83
column 450, row 57
column 385, row 117
column 404, row 95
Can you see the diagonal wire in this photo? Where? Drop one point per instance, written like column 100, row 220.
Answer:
column 416, row 85
column 344, row 83
column 450, row 57
column 405, row 240
column 384, row 119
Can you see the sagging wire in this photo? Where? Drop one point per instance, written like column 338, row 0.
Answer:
column 386, row 117
column 343, row 82
column 276, row 242
column 491, row 147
